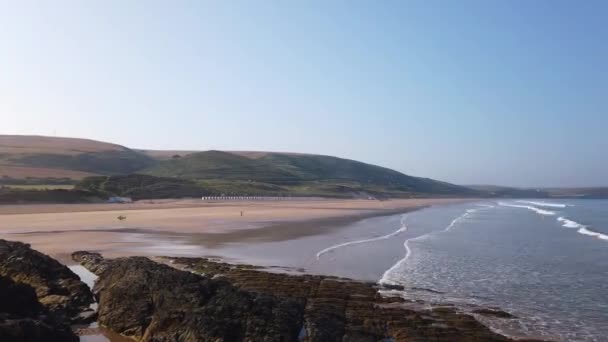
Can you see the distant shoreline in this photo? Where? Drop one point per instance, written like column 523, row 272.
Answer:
column 61, row 229
column 287, row 230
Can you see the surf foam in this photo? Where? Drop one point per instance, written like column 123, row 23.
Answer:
column 402, row 229
column 545, row 204
column 585, row 231
column 569, row 223
column 581, row 228
column 529, row 207
column 385, row 280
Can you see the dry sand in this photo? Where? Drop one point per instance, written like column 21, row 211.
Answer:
column 61, row 229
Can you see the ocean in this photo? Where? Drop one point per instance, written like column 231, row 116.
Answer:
column 546, row 262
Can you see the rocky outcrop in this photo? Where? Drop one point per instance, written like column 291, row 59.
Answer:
column 211, row 301
column 345, row 310
column 154, row 302
column 24, row 319
column 57, row 288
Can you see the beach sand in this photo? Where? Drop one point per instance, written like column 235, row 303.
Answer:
column 58, row 229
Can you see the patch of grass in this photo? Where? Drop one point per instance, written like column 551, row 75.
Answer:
column 22, row 196
column 41, row 186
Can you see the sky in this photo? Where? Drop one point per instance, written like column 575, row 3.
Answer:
column 471, row 92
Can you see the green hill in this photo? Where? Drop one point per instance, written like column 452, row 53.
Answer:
column 220, row 165
column 313, row 174
column 52, row 158
column 118, row 170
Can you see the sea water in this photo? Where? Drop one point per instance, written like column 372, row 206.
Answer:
column 546, row 262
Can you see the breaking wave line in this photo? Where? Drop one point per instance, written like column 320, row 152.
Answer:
column 545, row 204
column 385, row 280
column 581, row 228
column 569, row 223
column 586, row 231
column 402, row 229
column 535, row 209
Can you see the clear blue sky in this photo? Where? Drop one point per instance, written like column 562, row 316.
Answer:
column 486, row 92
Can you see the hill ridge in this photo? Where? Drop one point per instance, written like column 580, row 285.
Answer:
column 222, row 171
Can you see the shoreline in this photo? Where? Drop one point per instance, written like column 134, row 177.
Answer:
column 273, row 230
column 328, row 305
column 287, row 230
column 55, row 229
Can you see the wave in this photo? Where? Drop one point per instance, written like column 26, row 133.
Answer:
column 535, row 209
column 545, row 204
column 569, row 223
column 385, row 280
column 581, row 228
column 402, row 229
column 485, row 205
column 585, row 231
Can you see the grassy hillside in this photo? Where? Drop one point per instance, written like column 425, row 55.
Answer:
column 141, row 187
column 109, row 169
column 325, row 168
column 219, row 165
column 509, row 192
column 13, row 196
column 294, row 172
column 165, row 154
column 49, row 157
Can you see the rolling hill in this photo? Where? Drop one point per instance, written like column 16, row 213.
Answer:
column 110, row 168
column 51, row 157
column 98, row 169
column 290, row 170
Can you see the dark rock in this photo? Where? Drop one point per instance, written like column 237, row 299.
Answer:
column 393, row 287
column 155, row 302
column 494, row 312
column 94, row 262
column 24, row 319
column 18, row 299
column 57, row 288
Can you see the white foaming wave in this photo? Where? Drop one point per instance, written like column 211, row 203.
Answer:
column 458, row 219
column 385, row 280
column 545, row 204
column 585, row 231
column 485, row 205
column 535, row 209
column 581, row 228
column 569, row 223
column 402, row 229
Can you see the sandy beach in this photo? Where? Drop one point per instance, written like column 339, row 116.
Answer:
column 61, row 229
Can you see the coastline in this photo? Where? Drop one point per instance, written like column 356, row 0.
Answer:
column 286, row 230
column 269, row 231
column 58, row 229
column 321, row 307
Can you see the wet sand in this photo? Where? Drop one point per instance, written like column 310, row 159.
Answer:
column 59, row 230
